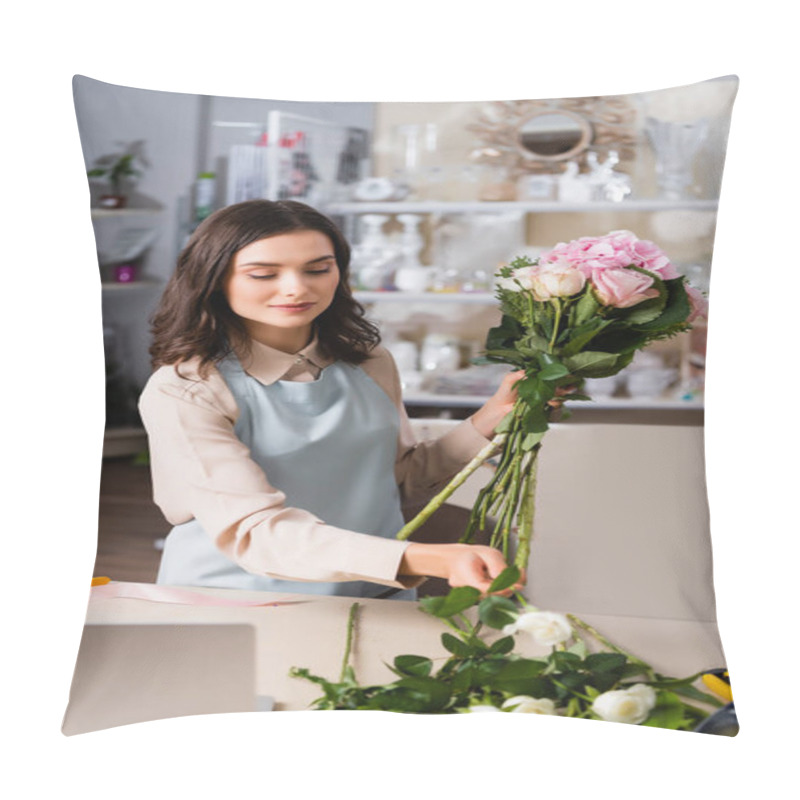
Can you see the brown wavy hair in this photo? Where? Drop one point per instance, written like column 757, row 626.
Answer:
column 193, row 318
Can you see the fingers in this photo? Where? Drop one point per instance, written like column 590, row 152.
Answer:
column 493, row 560
column 478, row 567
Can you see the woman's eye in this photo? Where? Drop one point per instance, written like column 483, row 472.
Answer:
column 319, row 271
column 263, row 277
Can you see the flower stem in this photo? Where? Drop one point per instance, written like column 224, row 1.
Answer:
column 438, row 501
column 351, row 623
column 527, row 512
column 602, row 639
column 557, row 304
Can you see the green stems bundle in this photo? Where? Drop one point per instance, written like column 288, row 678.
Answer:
column 510, row 496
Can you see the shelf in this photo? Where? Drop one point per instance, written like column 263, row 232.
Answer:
column 124, row 212
column 476, row 298
column 610, row 403
column 120, row 286
column 534, row 206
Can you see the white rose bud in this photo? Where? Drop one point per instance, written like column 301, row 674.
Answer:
column 626, row 705
column 508, row 285
column 546, row 627
column 523, row 704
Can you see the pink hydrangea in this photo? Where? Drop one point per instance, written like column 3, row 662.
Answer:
column 612, row 251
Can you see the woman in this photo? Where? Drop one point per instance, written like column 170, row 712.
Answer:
column 280, row 448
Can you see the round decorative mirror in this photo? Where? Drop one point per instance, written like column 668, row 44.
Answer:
column 553, row 136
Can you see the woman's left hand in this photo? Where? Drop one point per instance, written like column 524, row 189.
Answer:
column 490, row 415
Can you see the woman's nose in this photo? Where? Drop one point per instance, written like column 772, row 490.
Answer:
column 292, row 283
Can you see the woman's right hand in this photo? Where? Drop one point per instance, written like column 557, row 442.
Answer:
column 458, row 564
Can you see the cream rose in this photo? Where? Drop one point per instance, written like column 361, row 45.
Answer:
column 556, row 280
column 546, row 627
column 631, row 705
column 523, row 704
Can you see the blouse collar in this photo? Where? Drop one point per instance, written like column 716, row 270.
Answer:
column 268, row 365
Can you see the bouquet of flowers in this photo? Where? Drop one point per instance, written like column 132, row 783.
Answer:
column 581, row 310
column 584, row 675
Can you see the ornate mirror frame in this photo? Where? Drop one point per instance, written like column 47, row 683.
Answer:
column 611, row 121
column 583, row 142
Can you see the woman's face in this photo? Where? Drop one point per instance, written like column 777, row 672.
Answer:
column 279, row 285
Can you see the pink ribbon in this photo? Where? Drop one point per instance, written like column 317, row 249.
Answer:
column 167, row 594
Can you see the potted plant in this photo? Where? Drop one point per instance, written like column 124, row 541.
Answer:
column 118, row 169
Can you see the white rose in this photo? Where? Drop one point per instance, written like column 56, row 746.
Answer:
column 523, row 704
column 626, row 705
column 520, row 279
column 557, row 280
column 508, row 284
column 546, row 627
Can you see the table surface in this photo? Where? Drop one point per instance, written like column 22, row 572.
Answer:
column 309, row 631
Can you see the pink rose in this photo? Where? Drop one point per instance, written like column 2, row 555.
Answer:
column 559, row 279
column 697, row 302
column 622, row 288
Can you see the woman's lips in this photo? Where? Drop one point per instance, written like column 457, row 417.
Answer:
column 294, row 309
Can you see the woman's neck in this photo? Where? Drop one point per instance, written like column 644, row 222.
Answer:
column 287, row 340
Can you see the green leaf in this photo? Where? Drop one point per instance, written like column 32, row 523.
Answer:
column 581, row 336
column 505, row 356
column 508, row 577
column 505, row 423
column 497, row 612
column 586, row 307
column 605, row 662
column 579, row 648
column 414, row 666
column 535, row 419
column 523, row 676
column 454, row 602
column 531, row 440
column 534, row 343
column 553, row 372
column 455, row 646
column 676, row 311
column 631, row 670
column 593, row 364
column 531, row 390
column 669, row 712
column 505, row 334
column 573, row 681
column 696, row 694
column 566, row 661
column 573, row 708
column 418, row 695
column 502, row 646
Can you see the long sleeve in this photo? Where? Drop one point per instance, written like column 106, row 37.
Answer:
column 423, row 468
column 202, row 470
